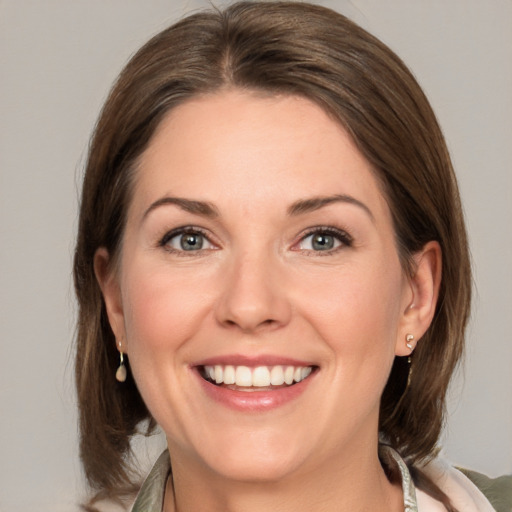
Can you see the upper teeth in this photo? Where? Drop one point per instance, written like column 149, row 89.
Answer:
column 259, row 376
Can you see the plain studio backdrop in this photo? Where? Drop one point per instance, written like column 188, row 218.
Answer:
column 58, row 59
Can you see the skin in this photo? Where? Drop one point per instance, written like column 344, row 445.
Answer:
column 258, row 287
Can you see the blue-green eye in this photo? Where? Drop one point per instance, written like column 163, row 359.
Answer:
column 322, row 242
column 325, row 240
column 189, row 241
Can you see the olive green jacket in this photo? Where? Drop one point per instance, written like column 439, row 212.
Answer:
column 497, row 490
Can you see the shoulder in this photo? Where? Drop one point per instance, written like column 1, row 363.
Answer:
column 470, row 491
column 497, row 490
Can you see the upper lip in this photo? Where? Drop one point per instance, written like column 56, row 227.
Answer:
column 252, row 361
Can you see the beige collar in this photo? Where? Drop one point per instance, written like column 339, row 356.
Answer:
column 464, row 494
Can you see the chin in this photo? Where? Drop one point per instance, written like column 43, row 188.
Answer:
column 263, row 469
column 254, row 456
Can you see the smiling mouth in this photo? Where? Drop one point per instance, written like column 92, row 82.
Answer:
column 259, row 378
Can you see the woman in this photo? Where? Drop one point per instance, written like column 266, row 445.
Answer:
column 272, row 262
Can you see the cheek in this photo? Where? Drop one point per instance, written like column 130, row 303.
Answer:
column 356, row 311
column 365, row 300
column 162, row 308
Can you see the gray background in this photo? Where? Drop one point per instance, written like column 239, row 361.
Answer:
column 57, row 61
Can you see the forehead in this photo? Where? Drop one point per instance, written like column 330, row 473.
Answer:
column 252, row 148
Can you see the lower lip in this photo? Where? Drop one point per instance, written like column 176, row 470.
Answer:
column 249, row 401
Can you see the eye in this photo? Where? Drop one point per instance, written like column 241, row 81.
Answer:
column 186, row 240
column 324, row 240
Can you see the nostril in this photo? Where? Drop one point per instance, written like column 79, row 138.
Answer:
column 248, row 326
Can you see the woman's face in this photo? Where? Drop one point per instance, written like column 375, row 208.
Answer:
column 259, row 249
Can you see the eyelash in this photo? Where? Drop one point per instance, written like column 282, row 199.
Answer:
column 340, row 235
column 193, row 230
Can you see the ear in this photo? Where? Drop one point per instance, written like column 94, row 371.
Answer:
column 421, row 297
column 108, row 280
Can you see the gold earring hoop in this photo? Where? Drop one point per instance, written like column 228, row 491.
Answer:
column 409, row 372
column 121, row 370
column 409, row 338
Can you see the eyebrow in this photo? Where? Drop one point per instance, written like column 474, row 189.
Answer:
column 315, row 203
column 302, row 206
column 202, row 208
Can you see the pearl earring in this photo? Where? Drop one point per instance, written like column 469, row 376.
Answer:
column 409, row 339
column 121, row 371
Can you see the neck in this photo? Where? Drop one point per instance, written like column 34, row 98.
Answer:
column 347, row 482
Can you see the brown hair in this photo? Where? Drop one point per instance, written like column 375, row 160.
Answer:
column 280, row 48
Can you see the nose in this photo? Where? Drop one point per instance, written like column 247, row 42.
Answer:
column 254, row 295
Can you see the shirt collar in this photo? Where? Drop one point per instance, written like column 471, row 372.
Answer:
column 151, row 495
